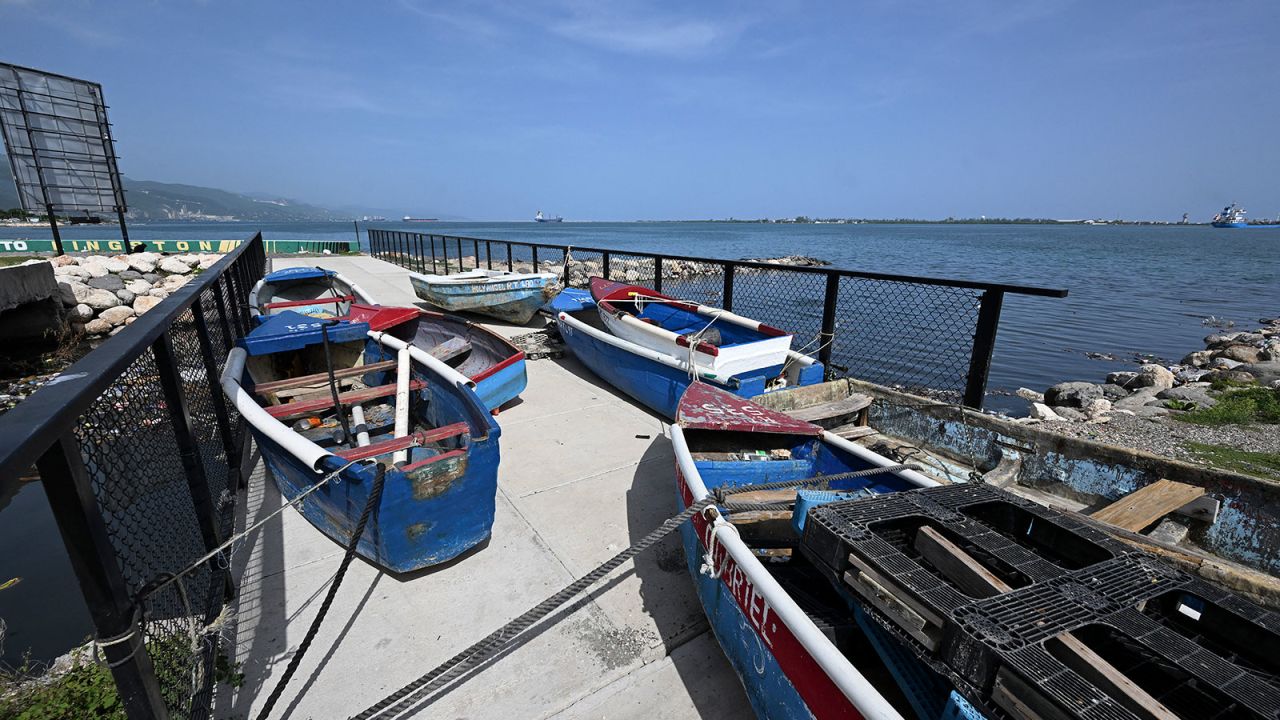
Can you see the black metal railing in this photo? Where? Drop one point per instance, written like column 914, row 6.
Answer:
column 921, row 334
column 140, row 457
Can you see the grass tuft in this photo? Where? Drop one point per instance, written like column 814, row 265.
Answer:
column 1239, row 407
column 1264, row 465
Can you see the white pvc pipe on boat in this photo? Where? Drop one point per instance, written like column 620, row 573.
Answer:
column 354, row 289
column 422, row 356
column 402, row 402
column 633, row 348
column 876, row 459
column 357, row 418
column 308, row 452
column 861, row 693
column 253, row 298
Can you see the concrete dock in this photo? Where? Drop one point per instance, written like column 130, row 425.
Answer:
column 584, row 474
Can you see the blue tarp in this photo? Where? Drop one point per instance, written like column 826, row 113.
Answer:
column 292, row 331
column 295, row 274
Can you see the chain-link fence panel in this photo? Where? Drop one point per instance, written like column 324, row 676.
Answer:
column 905, row 335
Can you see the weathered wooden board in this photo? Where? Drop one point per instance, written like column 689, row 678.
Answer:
column 853, row 431
column 1148, row 504
column 839, row 408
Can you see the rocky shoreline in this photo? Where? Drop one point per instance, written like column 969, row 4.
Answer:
column 105, row 294
column 1138, row 409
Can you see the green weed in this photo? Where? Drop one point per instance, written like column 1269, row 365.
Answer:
column 1266, row 465
column 1239, row 407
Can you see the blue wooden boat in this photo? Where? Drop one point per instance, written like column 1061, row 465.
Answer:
column 312, row 291
column 772, row 611
column 492, row 362
column 509, row 296
column 658, row 377
column 396, row 405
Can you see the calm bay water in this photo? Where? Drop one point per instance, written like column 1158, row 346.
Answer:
column 1132, row 290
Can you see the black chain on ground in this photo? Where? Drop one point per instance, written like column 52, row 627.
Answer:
column 455, row 666
column 375, row 494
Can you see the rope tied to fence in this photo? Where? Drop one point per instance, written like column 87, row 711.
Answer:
column 400, row 700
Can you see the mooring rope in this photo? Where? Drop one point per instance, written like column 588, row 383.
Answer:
column 375, row 495
column 400, row 700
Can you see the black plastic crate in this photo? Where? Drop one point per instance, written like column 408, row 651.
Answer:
column 1202, row 651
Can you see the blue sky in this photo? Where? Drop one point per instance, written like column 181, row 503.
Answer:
column 648, row 110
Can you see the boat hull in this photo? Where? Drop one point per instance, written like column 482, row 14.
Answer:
column 495, row 365
column 656, row 385
column 439, row 507
column 1230, row 224
column 515, row 302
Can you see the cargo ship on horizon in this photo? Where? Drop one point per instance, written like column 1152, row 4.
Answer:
column 406, row 218
column 543, row 218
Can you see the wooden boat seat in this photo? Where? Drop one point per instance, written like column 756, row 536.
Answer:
column 315, row 301
column 322, row 378
column 450, row 349
column 390, row 445
column 294, row 410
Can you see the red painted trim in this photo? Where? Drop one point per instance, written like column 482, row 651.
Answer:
column 433, row 459
column 422, row 437
column 498, row 366
column 351, row 397
column 815, row 687
column 316, row 301
column 702, row 347
column 770, row 330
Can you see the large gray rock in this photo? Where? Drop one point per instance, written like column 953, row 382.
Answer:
column 82, row 313
column 1155, row 376
column 96, row 298
column 138, row 287
column 1123, row 378
column 1029, row 394
column 173, row 282
column 115, row 264
column 1097, row 407
column 1040, row 411
column 1240, row 353
column 143, row 262
column 173, row 266
column 158, row 293
column 1199, row 358
column 125, row 296
column 1238, row 376
column 1190, row 375
column 1221, row 363
column 1138, row 399
column 95, row 269
column 1072, row 394
column 1266, row 372
column 116, row 315
column 1070, row 413
column 1114, row 392
column 144, row 303
column 106, row 282
column 152, row 278
column 1218, row 340
column 67, row 294
column 128, row 275
column 1197, row 394
column 97, row 326
column 71, row 271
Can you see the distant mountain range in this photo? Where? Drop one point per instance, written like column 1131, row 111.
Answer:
column 149, row 200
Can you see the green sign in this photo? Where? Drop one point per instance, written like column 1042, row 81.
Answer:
column 116, row 247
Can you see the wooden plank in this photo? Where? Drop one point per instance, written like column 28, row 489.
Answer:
column 853, row 431
column 422, row 437
column 855, row 403
column 450, row 349
column 959, row 566
column 1147, row 505
column 764, row 497
column 322, row 378
column 296, row 410
column 764, row 526
column 890, row 603
column 962, row 569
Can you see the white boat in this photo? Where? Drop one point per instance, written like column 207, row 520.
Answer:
column 312, row 291
column 716, row 341
column 510, row 296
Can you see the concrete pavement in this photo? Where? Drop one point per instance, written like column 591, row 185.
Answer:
column 584, row 474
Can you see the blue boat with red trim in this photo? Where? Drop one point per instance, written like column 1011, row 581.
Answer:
column 313, row 291
column 651, row 346
column 327, row 399
column 787, row 633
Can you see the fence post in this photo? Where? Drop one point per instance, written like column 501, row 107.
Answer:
column 373, row 242
column 510, row 265
column 657, row 273
column 728, row 286
column 106, row 593
column 604, row 265
column 984, row 344
column 535, row 257
column 826, row 336
column 477, row 244
column 444, row 250
column 488, row 253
